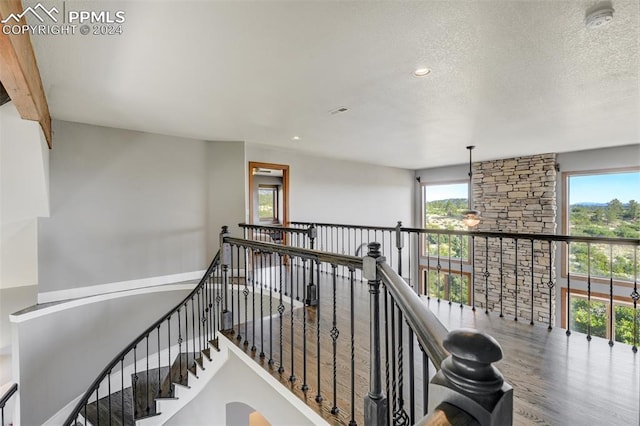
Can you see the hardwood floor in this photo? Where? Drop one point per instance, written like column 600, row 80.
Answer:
column 557, row 380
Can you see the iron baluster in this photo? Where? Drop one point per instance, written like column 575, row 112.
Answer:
column 501, row 280
column 271, row 284
column 169, row 353
column 122, row 388
column 394, row 377
column 611, row 328
column 239, row 336
column 486, row 275
column 199, row 325
column 635, row 296
column 262, row 285
column 425, row 382
column 147, row 373
column 334, row 337
column 319, row 394
column 179, row 347
column 473, row 273
column 588, row 291
column 532, row 280
column 253, row 301
column 387, row 353
column 568, row 307
column 448, row 294
column 461, row 276
column 304, row 386
column 159, row 380
column 550, row 284
column 245, row 292
column 281, row 311
column 400, row 417
column 109, row 397
column 515, row 271
column 438, row 269
column 292, row 377
column 352, row 422
column 427, row 287
column 412, row 394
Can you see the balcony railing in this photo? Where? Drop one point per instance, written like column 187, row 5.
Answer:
column 318, row 333
column 275, row 302
column 513, row 274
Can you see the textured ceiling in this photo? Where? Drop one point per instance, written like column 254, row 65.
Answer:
column 511, row 77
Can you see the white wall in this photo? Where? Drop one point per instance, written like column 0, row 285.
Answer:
column 58, row 353
column 131, row 205
column 336, row 191
column 243, row 380
column 24, row 195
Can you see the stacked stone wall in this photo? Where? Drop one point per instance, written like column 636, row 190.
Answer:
column 516, row 195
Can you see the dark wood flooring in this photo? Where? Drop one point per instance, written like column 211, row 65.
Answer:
column 557, row 380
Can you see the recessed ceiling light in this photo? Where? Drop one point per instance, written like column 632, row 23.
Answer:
column 295, row 138
column 421, row 72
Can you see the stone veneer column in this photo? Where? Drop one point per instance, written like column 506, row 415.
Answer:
column 516, row 195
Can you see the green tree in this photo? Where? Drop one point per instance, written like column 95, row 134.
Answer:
column 632, row 210
column 613, row 210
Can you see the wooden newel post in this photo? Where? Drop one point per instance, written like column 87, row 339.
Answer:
column 468, row 380
column 375, row 403
column 226, row 322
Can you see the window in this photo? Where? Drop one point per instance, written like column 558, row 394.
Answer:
column 443, row 205
column 603, row 205
column 452, row 286
column 268, row 203
column 598, row 313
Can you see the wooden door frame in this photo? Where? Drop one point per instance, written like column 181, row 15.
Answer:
column 285, row 188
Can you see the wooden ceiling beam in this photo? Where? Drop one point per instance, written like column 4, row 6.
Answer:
column 19, row 72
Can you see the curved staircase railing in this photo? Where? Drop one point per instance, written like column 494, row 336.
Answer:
column 160, row 358
column 321, row 334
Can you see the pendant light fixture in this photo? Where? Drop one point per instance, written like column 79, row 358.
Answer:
column 470, row 217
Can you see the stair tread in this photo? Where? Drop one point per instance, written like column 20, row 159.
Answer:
column 156, row 383
column 116, row 410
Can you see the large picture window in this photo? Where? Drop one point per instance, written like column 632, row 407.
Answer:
column 603, row 205
column 443, row 205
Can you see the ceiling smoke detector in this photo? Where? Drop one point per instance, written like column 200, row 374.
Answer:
column 599, row 17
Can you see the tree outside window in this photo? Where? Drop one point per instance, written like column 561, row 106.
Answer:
column 603, row 205
column 443, row 205
column 268, row 203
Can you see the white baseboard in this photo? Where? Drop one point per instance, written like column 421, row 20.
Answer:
column 95, row 290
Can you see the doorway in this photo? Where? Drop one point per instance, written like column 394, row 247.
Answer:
column 268, row 194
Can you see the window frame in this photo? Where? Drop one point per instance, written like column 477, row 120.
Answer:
column 565, row 224
column 276, row 207
column 423, row 283
column 599, row 297
column 423, row 254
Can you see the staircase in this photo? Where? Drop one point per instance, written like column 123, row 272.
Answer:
column 142, row 400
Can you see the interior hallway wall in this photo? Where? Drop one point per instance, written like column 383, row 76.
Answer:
column 337, row 191
column 129, row 205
